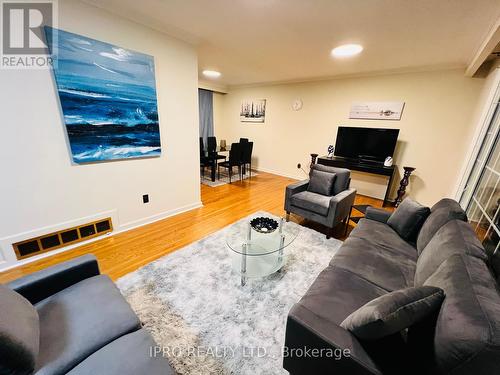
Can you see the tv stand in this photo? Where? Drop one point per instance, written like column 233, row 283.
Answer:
column 362, row 166
column 367, row 161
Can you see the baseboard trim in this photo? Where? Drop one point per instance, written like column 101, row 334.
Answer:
column 7, row 265
column 299, row 177
column 51, row 253
column 157, row 217
column 8, row 254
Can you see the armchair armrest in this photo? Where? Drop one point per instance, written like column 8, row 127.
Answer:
column 377, row 214
column 331, row 348
column 340, row 205
column 292, row 189
column 44, row 283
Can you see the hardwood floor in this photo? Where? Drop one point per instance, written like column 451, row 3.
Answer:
column 125, row 252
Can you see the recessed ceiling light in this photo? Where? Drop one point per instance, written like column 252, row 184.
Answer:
column 347, row 50
column 211, row 73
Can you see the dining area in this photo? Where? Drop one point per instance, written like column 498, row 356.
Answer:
column 225, row 163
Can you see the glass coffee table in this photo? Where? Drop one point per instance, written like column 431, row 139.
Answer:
column 259, row 252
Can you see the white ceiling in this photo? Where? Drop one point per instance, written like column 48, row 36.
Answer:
column 254, row 41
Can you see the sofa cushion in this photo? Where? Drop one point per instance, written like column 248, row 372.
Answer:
column 338, row 292
column 455, row 237
column 131, row 354
column 342, row 176
column 442, row 212
column 312, row 202
column 466, row 335
column 321, row 182
column 80, row 320
column 382, row 235
column 408, row 219
column 377, row 214
column 393, row 312
column 390, row 270
column 19, row 333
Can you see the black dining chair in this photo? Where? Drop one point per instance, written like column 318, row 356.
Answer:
column 234, row 161
column 212, row 149
column 243, row 140
column 204, row 161
column 202, row 150
column 246, row 157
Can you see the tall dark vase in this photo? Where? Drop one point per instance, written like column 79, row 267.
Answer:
column 403, row 184
column 313, row 159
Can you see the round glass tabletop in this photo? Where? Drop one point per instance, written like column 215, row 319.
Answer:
column 245, row 240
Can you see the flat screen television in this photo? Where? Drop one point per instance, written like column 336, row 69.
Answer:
column 365, row 143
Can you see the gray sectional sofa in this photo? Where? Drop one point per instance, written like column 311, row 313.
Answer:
column 72, row 320
column 463, row 337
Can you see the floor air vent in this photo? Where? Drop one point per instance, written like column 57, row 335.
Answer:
column 64, row 237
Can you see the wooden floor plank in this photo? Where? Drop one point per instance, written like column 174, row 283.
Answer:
column 125, row 252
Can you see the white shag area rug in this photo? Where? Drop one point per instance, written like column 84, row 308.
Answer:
column 205, row 322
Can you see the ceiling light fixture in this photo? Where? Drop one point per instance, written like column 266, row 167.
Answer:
column 347, row 50
column 211, row 73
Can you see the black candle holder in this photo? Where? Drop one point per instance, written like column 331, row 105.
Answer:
column 403, row 184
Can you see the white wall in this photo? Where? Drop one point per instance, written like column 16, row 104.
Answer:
column 219, row 105
column 42, row 190
column 436, row 126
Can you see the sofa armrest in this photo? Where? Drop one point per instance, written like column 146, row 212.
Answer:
column 292, row 189
column 314, row 345
column 340, row 205
column 42, row 284
column 377, row 214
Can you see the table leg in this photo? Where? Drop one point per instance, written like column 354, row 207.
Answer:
column 244, row 255
column 244, row 265
column 282, row 243
column 280, row 252
column 212, row 173
column 387, row 191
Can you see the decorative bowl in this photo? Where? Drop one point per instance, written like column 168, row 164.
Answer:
column 264, row 224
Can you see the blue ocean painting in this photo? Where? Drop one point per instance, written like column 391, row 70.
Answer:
column 108, row 98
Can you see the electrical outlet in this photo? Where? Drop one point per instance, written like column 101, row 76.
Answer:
column 145, row 198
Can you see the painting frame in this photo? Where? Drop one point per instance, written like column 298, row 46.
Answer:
column 377, row 110
column 253, row 111
column 107, row 96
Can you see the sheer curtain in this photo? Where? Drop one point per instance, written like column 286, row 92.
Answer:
column 205, row 100
column 481, row 194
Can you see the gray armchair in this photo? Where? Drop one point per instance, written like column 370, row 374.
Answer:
column 326, row 210
column 72, row 320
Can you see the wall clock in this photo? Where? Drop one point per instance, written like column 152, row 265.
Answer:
column 297, row 104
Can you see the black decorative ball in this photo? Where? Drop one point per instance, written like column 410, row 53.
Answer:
column 264, row 224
